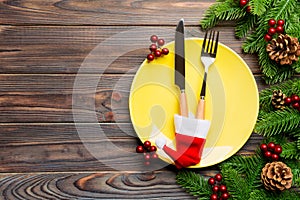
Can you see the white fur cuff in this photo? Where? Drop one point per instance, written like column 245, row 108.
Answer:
column 191, row 127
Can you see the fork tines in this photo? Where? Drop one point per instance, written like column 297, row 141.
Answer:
column 211, row 47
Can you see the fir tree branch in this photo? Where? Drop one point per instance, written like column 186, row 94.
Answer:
column 290, row 151
column 231, row 178
column 229, row 11
column 284, row 73
column 268, row 66
column 210, row 19
column 257, row 7
column 195, row 184
column 263, row 194
column 277, row 122
column 288, row 87
column 245, row 25
column 283, row 8
column 296, row 176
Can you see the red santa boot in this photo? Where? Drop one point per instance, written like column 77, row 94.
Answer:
column 190, row 136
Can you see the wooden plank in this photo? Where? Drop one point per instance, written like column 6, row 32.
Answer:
column 102, row 12
column 63, row 49
column 48, row 98
column 61, row 148
column 88, row 186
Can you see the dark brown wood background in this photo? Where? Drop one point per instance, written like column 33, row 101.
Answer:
column 42, row 45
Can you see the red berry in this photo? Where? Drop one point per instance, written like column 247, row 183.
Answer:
column 211, row 181
column 147, row 144
column 161, row 42
column 147, row 156
column 214, row 197
column 223, row 188
column 280, row 22
column 275, row 157
column 218, row 177
column 147, row 163
column 278, row 149
column 279, row 29
column 215, row 189
column 225, row 196
column 272, row 22
column 296, row 105
column 271, row 146
column 140, row 149
column 263, row 147
column 248, row 9
column 153, row 47
column 165, row 51
column 295, row 98
column 154, row 38
column 243, row 3
column 268, row 37
column 271, row 31
column 268, row 154
column 288, row 100
column 157, row 53
column 150, row 57
column 154, row 156
column 152, row 148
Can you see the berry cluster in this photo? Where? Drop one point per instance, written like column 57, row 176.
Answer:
column 243, row 3
column 294, row 101
column 155, row 48
column 219, row 190
column 148, row 150
column 271, row 150
column 272, row 29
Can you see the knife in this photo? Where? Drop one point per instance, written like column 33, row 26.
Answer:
column 180, row 67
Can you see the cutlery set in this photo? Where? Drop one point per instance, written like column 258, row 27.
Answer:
column 208, row 56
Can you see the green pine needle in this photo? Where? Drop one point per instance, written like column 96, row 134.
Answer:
column 195, row 184
column 231, row 178
column 258, row 7
column 290, row 151
column 245, row 25
column 210, row 19
column 276, row 122
column 288, row 87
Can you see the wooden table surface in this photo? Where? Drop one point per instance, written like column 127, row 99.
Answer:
column 42, row 46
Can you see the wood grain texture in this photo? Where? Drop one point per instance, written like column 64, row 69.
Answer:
column 63, row 49
column 101, row 12
column 59, row 147
column 88, row 186
column 48, row 98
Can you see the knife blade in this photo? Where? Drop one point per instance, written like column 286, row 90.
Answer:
column 180, row 67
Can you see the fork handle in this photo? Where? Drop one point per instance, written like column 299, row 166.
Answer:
column 183, row 104
column 200, row 108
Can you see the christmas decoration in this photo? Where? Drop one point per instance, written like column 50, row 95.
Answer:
column 276, row 176
column 271, row 150
column 156, row 48
column 273, row 122
column 278, row 99
column 284, row 49
column 248, row 176
column 190, row 138
column 219, row 190
column 294, row 101
column 256, row 22
column 148, row 151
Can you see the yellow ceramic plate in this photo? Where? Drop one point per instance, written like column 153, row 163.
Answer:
column 231, row 100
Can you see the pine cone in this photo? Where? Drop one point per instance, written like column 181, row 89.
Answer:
column 277, row 176
column 278, row 99
column 284, row 49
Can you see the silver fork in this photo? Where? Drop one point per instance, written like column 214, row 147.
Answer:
column 208, row 57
